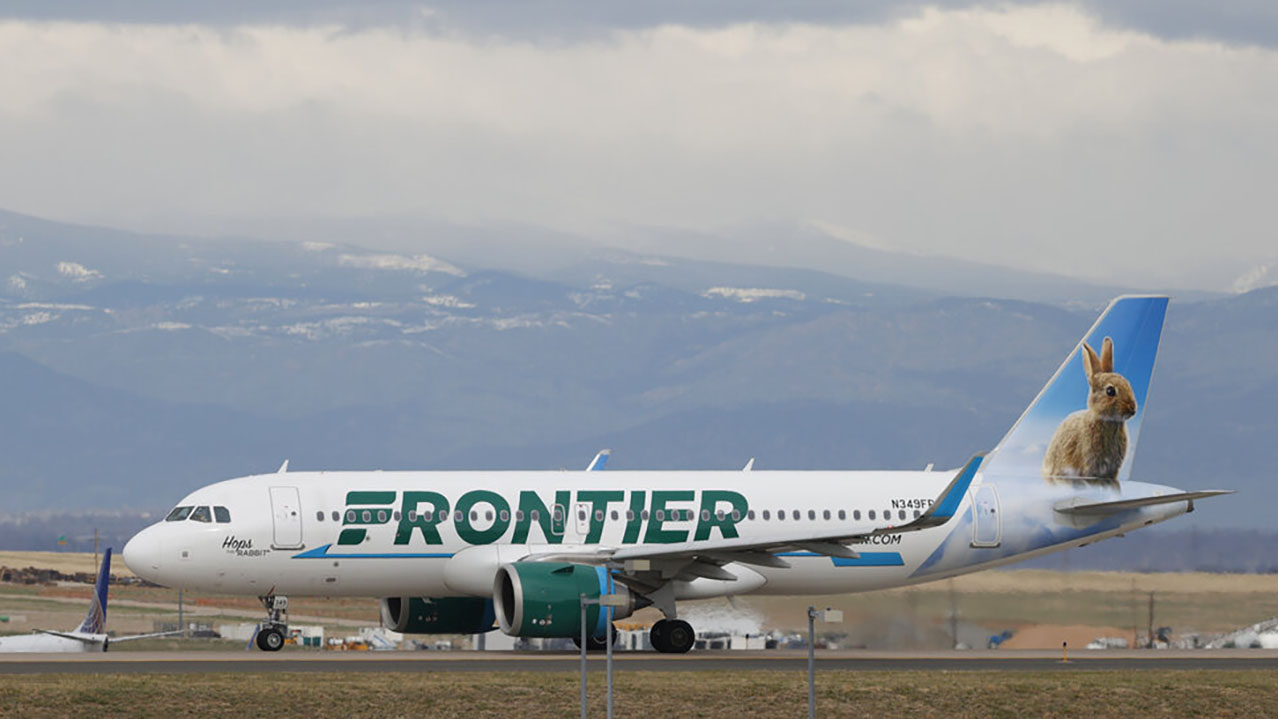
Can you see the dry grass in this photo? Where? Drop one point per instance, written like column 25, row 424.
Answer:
column 1089, row 695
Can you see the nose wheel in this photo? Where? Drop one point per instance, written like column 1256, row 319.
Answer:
column 271, row 633
column 672, row 636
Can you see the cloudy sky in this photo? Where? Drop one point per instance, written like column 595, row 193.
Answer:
column 1131, row 141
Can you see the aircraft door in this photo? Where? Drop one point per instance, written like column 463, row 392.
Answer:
column 286, row 511
column 987, row 528
column 580, row 522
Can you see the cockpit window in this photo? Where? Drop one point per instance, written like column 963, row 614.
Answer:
column 178, row 514
column 201, row 514
column 223, row 515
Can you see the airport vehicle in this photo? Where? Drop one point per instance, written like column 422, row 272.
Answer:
column 90, row 636
column 447, row 552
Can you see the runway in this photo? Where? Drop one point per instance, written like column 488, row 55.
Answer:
column 254, row 662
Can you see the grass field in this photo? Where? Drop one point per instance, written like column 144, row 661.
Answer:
column 1088, row 695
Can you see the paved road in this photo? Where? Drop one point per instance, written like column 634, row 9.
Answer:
column 303, row 661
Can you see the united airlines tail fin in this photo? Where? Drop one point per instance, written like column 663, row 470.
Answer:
column 1084, row 424
column 95, row 621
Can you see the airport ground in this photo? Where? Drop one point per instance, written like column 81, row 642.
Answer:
column 384, row 695
column 1042, row 608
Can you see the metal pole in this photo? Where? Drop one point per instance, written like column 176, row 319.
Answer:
column 608, row 640
column 811, row 662
column 583, row 656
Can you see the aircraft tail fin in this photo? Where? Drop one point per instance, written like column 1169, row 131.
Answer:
column 1083, row 426
column 95, row 621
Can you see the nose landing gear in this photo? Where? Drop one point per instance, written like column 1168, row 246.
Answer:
column 672, row 636
column 271, row 633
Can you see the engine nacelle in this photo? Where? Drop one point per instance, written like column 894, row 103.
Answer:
column 543, row 599
column 443, row 615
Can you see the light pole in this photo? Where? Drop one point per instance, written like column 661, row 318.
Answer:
column 829, row 616
column 607, row 603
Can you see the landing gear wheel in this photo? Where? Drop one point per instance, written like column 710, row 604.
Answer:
column 270, row 639
column 594, row 644
column 672, row 636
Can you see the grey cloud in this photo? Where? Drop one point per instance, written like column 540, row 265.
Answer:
column 1229, row 21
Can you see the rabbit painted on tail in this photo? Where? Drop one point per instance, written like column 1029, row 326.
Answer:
column 1090, row 444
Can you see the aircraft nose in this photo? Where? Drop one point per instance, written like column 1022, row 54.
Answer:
column 142, row 554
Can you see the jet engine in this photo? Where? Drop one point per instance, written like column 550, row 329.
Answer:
column 443, row 615
column 543, row 599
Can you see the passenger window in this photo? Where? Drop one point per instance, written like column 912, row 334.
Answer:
column 201, row 514
column 223, row 515
column 795, row 515
column 412, row 515
column 630, row 514
column 598, row 515
column 614, row 515
column 661, row 515
column 178, row 514
column 871, row 514
column 736, row 515
column 856, row 514
column 319, row 516
column 505, row 515
column 428, row 515
column 901, row 514
column 368, row 515
column 843, row 515
column 825, row 514
column 336, row 516
column 750, row 515
column 350, row 516
column 916, row 514
column 395, row 515
column 705, row 515
column 643, row 514
column 766, row 515
column 381, row 516
column 811, row 514
column 781, row 515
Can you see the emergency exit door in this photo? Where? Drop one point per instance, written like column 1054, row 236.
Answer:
column 987, row 527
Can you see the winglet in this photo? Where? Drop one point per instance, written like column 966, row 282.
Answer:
column 283, row 468
column 749, row 465
column 600, row 461
column 943, row 509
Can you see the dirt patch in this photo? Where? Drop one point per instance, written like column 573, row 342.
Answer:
column 1050, row 636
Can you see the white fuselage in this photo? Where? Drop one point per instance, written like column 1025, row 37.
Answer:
column 49, row 643
column 352, row 534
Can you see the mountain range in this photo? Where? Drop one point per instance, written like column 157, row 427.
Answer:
column 135, row 368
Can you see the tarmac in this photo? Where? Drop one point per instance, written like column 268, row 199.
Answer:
column 309, row 661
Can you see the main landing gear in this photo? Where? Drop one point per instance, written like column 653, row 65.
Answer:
column 595, row 644
column 672, row 636
column 271, row 633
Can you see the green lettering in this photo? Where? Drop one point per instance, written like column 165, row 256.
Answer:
column 552, row 527
column 710, row 500
column 635, row 523
column 656, row 534
column 412, row 517
column 599, row 500
column 467, row 502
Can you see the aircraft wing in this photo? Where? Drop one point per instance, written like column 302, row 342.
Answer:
column 764, row 550
column 152, row 635
column 85, row 638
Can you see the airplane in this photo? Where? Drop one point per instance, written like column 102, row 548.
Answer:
column 90, row 636
column 449, row 552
